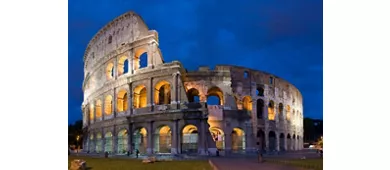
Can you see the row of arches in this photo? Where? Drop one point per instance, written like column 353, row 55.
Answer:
column 162, row 95
column 140, row 60
column 285, row 142
column 215, row 97
column 162, row 140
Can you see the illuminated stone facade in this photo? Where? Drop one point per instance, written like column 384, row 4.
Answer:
column 162, row 108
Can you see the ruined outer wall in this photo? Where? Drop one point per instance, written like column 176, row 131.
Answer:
column 239, row 82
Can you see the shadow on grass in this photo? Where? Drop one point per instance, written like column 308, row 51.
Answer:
column 99, row 163
column 315, row 164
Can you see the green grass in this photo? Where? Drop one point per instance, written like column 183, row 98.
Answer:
column 136, row 164
column 316, row 164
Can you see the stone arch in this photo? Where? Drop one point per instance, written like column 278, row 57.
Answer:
column 247, row 103
column 288, row 113
column 108, row 105
column 281, row 112
column 259, row 91
column 288, row 141
column 99, row 143
column 110, row 71
column 123, row 65
column 140, row 58
column 189, row 142
column 271, row 110
column 298, row 143
column 140, row 139
column 122, row 101
column 163, row 139
column 261, row 139
column 91, row 112
column 212, row 94
column 260, row 108
column 219, row 137
column 281, row 142
column 98, row 108
column 108, row 142
column 293, row 142
column 193, row 95
column 162, row 94
column 140, row 97
column 272, row 140
column 238, row 140
column 123, row 140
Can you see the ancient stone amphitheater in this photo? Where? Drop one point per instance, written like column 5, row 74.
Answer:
column 133, row 100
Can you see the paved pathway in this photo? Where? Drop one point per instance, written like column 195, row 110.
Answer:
column 247, row 164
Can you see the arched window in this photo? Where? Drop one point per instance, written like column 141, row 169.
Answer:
column 260, row 108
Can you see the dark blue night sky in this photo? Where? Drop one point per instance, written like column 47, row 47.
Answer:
column 282, row 37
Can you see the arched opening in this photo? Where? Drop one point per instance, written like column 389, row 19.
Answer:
column 108, row 142
column 99, row 143
column 214, row 96
column 110, row 71
column 260, row 91
column 272, row 141
column 123, row 64
column 271, row 110
column 163, row 139
column 281, row 142
column 219, row 137
column 247, row 103
column 281, row 112
column 140, row 99
column 261, row 139
column 246, row 74
column 122, row 141
column 238, row 140
column 122, row 102
column 260, row 108
column 193, row 95
column 189, row 139
column 140, row 140
column 293, row 142
column 288, row 113
column 293, row 117
column 162, row 93
column 91, row 143
column 108, row 105
column 288, row 142
column 98, row 108
column 91, row 113
column 140, row 59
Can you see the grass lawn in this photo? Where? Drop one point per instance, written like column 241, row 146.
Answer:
column 136, row 164
column 316, row 164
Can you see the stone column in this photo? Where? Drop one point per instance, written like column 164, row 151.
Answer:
column 149, row 149
column 131, row 61
column 228, row 142
column 103, row 148
column 130, row 98
column 266, row 139
column 277, row 141
column 175, row 139
column 202, row 138
column 150, row 95
column 114, row 103
column 174, row 89
column 130, row 138
column 152, row 47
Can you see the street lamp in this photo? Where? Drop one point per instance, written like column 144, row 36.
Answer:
column 77, row 143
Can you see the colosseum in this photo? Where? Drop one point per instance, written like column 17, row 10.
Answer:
column 133, row 100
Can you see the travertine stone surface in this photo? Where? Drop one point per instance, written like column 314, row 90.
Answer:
column 263, row 110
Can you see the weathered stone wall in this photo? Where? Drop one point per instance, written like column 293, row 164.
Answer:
column 237, row 87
